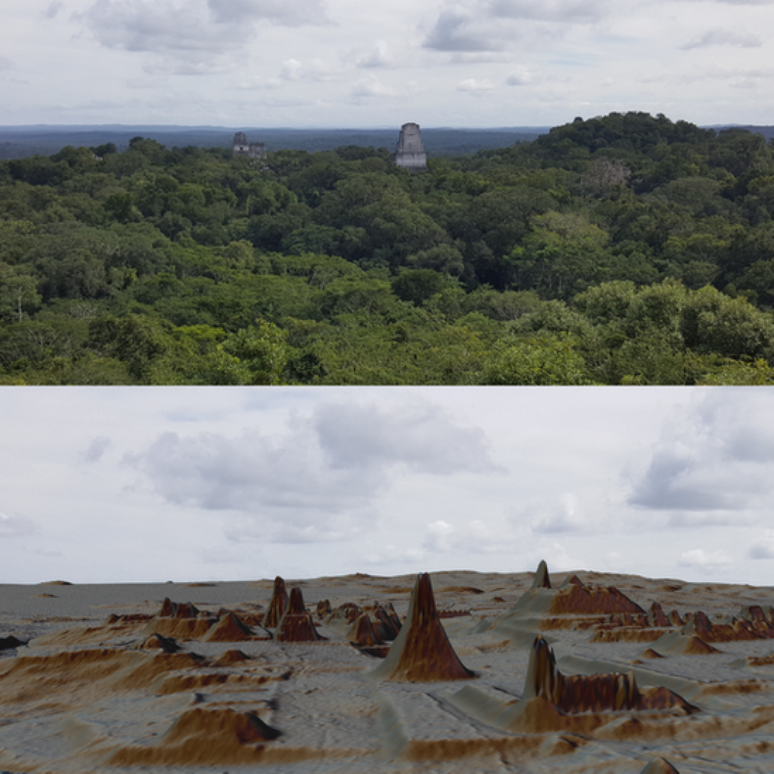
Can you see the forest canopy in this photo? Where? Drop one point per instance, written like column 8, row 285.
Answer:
column 625, row 249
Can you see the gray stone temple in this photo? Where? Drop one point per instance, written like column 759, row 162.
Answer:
column 254, row 150
column 410, row 152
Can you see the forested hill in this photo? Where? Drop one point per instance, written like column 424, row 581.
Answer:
column 628, row 249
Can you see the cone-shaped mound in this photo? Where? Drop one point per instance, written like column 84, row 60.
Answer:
column 679, row 644
column 229, row 629
column 198, row 724
column 422, row 651
column 589, row 693
column 575, row 598
column 362, row 632
column 296, row 625
column 171, row 609
column 278, row 604
column 183, row 628
column 159, row 641
column 727, row 630
column 203, row 737
column 387, row 622
column 656, row 615
column 659, row 766
column 542, row 580
column 232, row 657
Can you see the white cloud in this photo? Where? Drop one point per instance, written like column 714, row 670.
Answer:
column 53, row 9
column 418, row 435
column 713, row 459
column 371, row 86
column 474, row 85
column 497, row 25
column 379, row 56
column 455, row 31
column 521, row 76
column 16, row 526
column 319, row 478
column 764, row 547
column 316, row 70
column 560, row 11
column 699, row 559
column 193, row 37
column 564, row 516
column 439, row 536
column 97, row 449
column 723, row 37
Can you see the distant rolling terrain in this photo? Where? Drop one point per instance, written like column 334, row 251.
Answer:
column 23, row 141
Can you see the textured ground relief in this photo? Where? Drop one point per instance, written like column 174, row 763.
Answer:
column 461, row 672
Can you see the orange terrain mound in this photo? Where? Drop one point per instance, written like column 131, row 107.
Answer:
column 277, row 605
column 296, row 624
column 422, row 651
column 542, row 674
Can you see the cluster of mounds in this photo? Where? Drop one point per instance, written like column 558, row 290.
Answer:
column 543, row 682
column 691, row 634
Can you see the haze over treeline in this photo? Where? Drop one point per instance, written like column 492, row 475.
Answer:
column 21, row 141
column 622, row 249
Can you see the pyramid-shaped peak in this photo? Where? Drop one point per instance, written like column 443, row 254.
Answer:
column 278, row 604
column 170, row 609
column 296, row 605
column 543, row 678
column 422, row 651
column 296, row 625
column 542, row 579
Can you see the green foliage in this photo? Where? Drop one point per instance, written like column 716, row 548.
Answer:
column 548, row 359
column 623, row 249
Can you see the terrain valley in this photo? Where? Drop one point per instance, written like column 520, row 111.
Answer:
column 450, row 672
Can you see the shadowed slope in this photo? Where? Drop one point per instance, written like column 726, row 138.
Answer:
column 422, row 651
column 296, row 625
column 542, row 579
column 203, row 737
column 590, row 693
column 552, row 701
column 362, row 632
column 278, row 604
column 659, row 766
column 229, row 629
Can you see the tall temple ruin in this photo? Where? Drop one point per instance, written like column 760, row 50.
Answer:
column 410, row 152
column 253, row 150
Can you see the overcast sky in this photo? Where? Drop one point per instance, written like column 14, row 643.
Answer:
column 349, row 63
column 128, row 484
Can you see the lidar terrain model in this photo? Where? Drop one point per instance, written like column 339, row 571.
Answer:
column 486, row 672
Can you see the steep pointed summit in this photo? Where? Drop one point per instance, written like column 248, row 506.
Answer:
column 572, row 694
column 278, row 604
column 542, row 580
column 296, row 625
column 422, row 651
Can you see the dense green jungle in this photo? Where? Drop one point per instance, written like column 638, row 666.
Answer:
column 625, row 249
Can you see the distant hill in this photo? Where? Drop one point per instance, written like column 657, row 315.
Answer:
column 766, row 131
column 23, row 141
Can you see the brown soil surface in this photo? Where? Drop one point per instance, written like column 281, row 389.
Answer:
column 567, row 673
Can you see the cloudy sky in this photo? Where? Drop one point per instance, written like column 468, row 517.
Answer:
column 349, row 63
column 122, row 484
